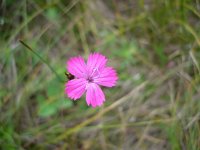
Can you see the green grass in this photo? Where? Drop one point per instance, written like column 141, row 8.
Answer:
column 155, row 47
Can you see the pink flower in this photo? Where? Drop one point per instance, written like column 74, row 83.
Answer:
column 89, row 77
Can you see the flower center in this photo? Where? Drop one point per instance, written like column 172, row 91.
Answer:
column 94, row 74
column 90, row 79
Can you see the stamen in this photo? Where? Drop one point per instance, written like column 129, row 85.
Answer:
column 95, row 74
column 93, row 71
column 98, row 74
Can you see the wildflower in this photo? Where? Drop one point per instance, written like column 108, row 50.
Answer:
column 89, row 77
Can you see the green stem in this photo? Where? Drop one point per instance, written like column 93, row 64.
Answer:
column 42, row 59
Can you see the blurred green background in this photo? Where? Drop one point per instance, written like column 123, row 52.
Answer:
column 155, row 48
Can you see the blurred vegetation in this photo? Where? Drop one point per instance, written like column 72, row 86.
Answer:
column 155, row 47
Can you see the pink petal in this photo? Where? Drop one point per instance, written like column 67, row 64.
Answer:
column 96, row 61
column 94, row 95
column 75, row 88
column 77, row 66
column 107, row 77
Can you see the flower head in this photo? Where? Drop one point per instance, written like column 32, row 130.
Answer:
column 89, row 77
